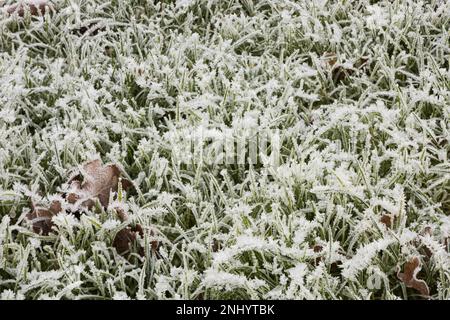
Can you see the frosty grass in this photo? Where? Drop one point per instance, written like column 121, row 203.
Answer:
column 374, row 143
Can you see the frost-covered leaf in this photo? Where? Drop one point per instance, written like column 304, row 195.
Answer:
column 387, row 220
column 352, row 98
column 126, row 238
column 35, row 7
column 409, row 276
column 41, row 218
column 95, row 181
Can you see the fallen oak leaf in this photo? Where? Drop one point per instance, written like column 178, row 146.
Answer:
column 99, row 180
column 95, row 180
column 215, row 245
column 92, row 29
column 123, row 216
column 125, row 238
column 317, row 248
column 36, row 7
column 41, row 219
column 341, row 72
column 387, row 220
column 427, row 231
column 409, row 277
column 330, row 58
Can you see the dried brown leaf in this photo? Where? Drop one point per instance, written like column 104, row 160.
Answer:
column 124, row 240
column 123, row 216
column 409, row 276
column 215, row 245
column 330, row 58
column 387, row 220
column 127, row 237
column 41, row 219
column 95, row 180
column 338, row 72
column 317, row 248
column 36, row 7
column 427, row 231
column 91, row 29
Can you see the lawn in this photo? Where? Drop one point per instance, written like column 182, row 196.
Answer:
column 132, row 162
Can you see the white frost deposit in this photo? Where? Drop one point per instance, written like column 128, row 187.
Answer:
column 272, row 149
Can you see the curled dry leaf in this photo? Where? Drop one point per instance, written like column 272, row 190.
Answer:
column 91, row 29
column 329, row 58
column 338, row 72
column 36, row 7
column 216, row 245
column 126, row 238
column 95, row 180
column 317, row 248
column 387, row 220
column 123, row 216
column 409, row 277
column 41, row 219
column 427, row 231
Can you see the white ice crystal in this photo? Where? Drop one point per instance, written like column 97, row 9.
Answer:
column 351, row 100
column 110, row 224
column 363, row 257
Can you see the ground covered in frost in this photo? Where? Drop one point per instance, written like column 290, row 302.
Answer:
column 358, row 90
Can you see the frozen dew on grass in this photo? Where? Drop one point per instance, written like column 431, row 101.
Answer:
column 224, row 149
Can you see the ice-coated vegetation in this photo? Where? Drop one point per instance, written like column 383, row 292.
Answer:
column 359, row 91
